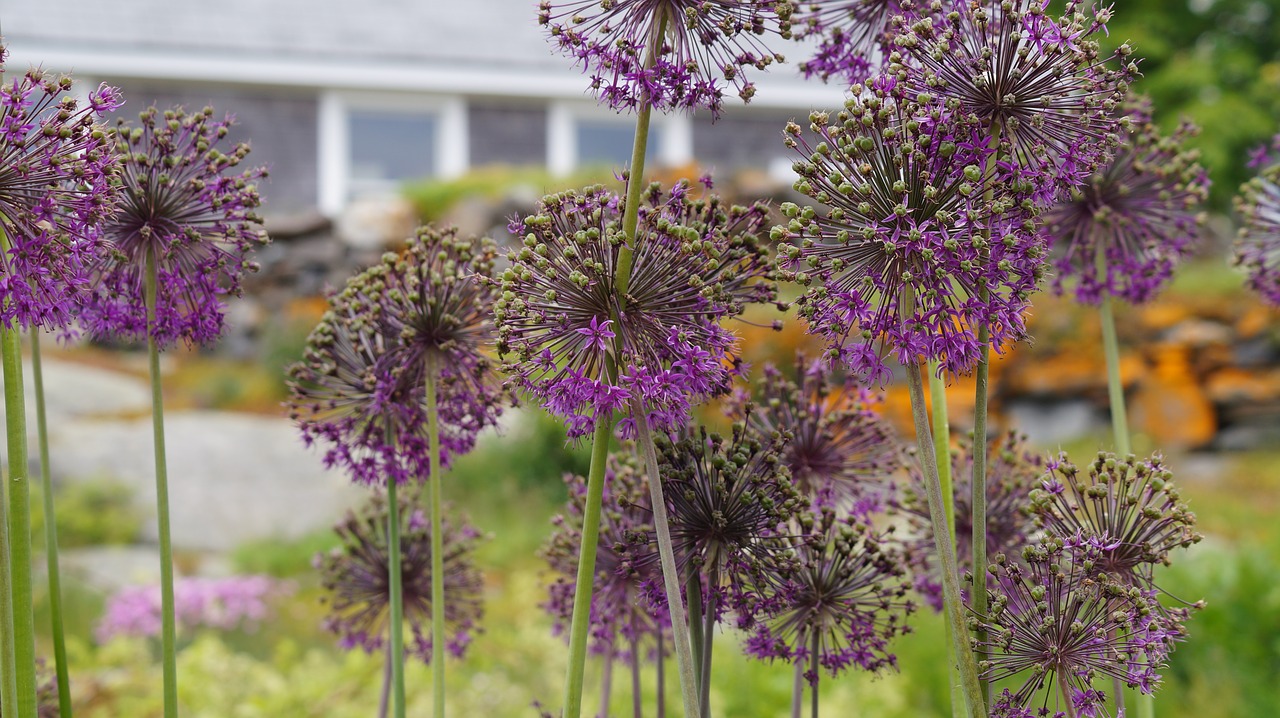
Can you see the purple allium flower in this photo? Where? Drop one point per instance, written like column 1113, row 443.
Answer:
column 1013, row 472
column 1057, row 621
column 1128, row 507
column 357, row 582
column 705, row 46
column 696, row 262
column 360, row 387
column 183, row 205
column 834, row 444
column 1142, row 210
column 219, row 603
column 1039, row 80
column 1258, row 245
column 621, row 614
column 57, row 185
column 856, row 35
column 846, row 598
column 896, row 259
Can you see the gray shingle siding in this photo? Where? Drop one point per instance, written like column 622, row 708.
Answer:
column 740, row 140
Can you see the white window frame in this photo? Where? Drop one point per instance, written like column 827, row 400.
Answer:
column 563, row 116
column 452, row 143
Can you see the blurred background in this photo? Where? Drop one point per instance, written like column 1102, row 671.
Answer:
column 377, row 117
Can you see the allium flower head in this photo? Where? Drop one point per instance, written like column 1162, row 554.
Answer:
column 361, row 385
column 696, row 262
column 705, row 45
column 846, row 598
column 834, row 444
column 1258, row 245
column 57, row 184
column 185, row 205
column 356, row 580
column 1040, row 80
column 856, row 35
column 1013, row 472
column 621, row 614
column 219, row 603
column 1054, row 619
column 1141, row 210
column 895, row 255
column 1128, row 507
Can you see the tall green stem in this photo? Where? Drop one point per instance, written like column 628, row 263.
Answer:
column 23, row 635
column 168, row 628
column 1068, row 707
column 942, row 456
column 667, row 556
column 693, row 595
column 580, row 627
column 12, row 399
column 395, row 572
column 50, row 534
column 952, row 607
column 813, row 668
column 437, row 536
column 708, row 638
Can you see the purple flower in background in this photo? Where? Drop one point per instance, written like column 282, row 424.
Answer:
column 697, row 261
column 1013, row 472
column 621, row 614
column 184, row 206
column 1056, row 619
column 1141, row 210
column 895, row 256
column 705, row 46
column 57, row 174
column 846, row 598
column 835, row 446
column 856, row 35
column 1037, row 80
column 356, row 581
column 360, row 387
column 237, row 602
column 1257, row 248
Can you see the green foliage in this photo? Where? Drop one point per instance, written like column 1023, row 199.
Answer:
column 434, row 198
column 93, row 512
column 282, row 558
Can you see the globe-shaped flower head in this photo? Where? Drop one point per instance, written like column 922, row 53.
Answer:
column 562, row 320
column 895, row 255
column 1141, row 211
column 1258, row 246
column 856, row 35
column 361, row 385
column 186, row 209
column 356, row 581
column 57, row 174
column 669, row 54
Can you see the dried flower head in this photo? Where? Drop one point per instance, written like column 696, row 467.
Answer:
column 1258, row 245
column 696, row 261
column 1062, row 626
column 1013, row 472
column 856, row 35
column 897, row 256
column 621, row 614
column 1141, row 211
column 1040, row 82
column 184, row 207
column 842, row 604
column 357, row 584
column 57, row 184
column 836, row 447
column 361, row 385
column 669, row 54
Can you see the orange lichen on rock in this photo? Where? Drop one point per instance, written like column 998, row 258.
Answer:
column 1171, row 405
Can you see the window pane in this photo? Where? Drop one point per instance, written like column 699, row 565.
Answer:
column 388, row 147
column 601, row 142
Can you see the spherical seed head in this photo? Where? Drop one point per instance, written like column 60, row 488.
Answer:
column 835, row 446
column 1055, row 617
column 361, row 385
column 562, row 323
column 903, row 240
column 1013, row 471
column 1128, row 507
column 1041, row 80
column 1142, row 210
column 355, row 579
column 856, row 36
column 621, row 615
column 848, row 592
column 58, row 183
column 705, row 47
column 1257, row 247
column 184, row 203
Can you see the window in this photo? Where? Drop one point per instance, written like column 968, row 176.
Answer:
column 586, row 135
column 388, row 147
